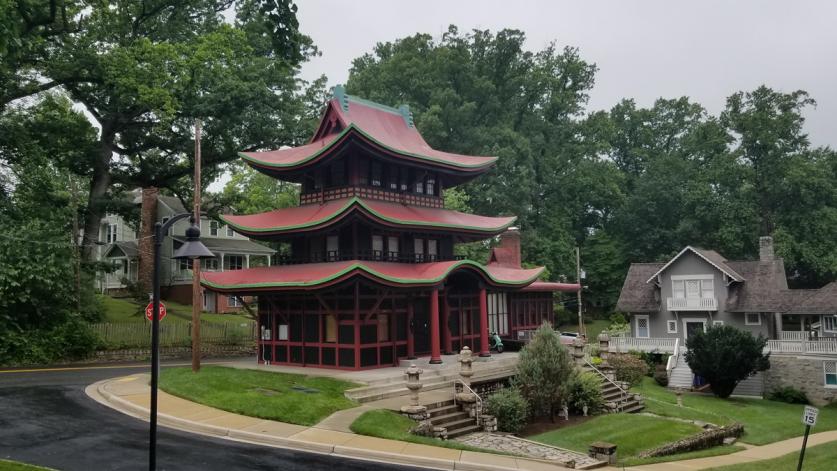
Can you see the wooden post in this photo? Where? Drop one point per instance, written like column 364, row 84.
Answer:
column 578, row 277
column 446, row 342
column 196, row 263
column 484, row 349
column 435, row 344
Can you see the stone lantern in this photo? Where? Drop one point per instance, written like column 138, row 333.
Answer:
column 466, row 361
column 414, row 410
column 578, row 351
column 604, row 345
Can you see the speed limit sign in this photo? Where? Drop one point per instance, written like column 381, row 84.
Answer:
column 809, row 417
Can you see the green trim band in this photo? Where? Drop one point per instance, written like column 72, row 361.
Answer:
column 350, row 127
column 357, row 201
column 362, row 267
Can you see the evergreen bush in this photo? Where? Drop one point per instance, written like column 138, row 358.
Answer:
column 788, row 394
column 545, row 372
column 587, row 391
column 628, row 368
column 725, row 356
column 510, row 408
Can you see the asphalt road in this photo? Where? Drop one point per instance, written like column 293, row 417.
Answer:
column 48, row 420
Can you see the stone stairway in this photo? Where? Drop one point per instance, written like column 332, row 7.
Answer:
column 431, row 379
column 615, row 399
column 456, row 421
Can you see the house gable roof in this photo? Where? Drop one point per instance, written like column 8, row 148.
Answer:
column 637, row 294
column 710, row 256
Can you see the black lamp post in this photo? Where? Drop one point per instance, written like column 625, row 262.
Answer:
column 191, row 249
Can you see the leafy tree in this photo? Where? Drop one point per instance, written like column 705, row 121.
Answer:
column 545, row 372
column 250, row 192
column 725, row 356
column 145, row 70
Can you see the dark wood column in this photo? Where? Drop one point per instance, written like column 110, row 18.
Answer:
column 411, row 344
column 435, row 343
column 484, row 350
column 357, row 325
column 446, row 340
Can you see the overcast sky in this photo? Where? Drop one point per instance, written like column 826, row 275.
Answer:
column 703, row 49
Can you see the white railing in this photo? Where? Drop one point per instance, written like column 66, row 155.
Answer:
column 820, row 347
column 692, row 304
column 672, row 360
column 478, row 414
column 628, row 344
column 793, row 335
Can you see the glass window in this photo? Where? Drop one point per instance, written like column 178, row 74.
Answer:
column 418, row 249
column 332, row 247
column 233, row 301
column 498, row 313
column 830, row 372
column 707, row 288
column 752, row 318
column 234, row 262
column 392, row 247
column 642, row 328
column 431, row 185
column 672, row 327
column 110, row 236
column 678, row 289
column 829, row 323
column 230, row 232
column 330, row 328
column 377, row 247
column 432, row 249
column 376, row 174
column 213, row 228
column 420, row 185
column 405, row 178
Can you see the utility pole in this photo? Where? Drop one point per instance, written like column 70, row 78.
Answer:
column 197, row 301
column 578, row 277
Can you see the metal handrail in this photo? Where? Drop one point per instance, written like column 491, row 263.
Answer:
column 625, row 394
column 478, row 414
column 672, row 360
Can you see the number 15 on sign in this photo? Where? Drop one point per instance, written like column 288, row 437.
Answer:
column 809, row 417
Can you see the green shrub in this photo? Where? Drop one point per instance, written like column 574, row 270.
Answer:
column 72, row 340
column 788, row 394
column 628, row 368
column 545, row 372
column 661, row 375
column 725, row 356
column 596, row 361
column 587, row 391
column 510, row 408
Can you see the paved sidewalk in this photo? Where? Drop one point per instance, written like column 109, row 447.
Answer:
column 753, row 453
column 131, row 395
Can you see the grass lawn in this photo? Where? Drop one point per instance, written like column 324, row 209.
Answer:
column 593, row 328
column 764, row 421
column 126, row 310
column 18, row 466
column 817, row 458
column 394, row 426
column 291, row 398
column 632, row 433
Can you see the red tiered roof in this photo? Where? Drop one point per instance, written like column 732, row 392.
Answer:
column 315, row 216
column 319, row 275
column 387, row 129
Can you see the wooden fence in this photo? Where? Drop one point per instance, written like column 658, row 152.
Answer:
column 115, row 336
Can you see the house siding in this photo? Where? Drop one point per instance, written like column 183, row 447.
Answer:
column 691, row 264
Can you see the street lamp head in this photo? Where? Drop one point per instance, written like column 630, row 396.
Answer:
column 193, row 248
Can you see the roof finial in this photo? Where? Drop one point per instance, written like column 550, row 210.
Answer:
column 408, row 116
column 341, row 96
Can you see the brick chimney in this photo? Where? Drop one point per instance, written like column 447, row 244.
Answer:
column 145, row 245
column 766, row 249
column 507, row 254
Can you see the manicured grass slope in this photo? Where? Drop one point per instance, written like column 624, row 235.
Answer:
column 291, row 398
column 817, row 458
column 631, row 433
column 126, row 310
column 17, row 466
column 393, row 426
column 764, row 421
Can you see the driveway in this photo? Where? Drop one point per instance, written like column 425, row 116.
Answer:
column 46, row 419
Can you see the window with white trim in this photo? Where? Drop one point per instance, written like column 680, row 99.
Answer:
column 110, row 237
column 377, row 247
column 692, row 288
column 752, row 318
column 432, row 250
column 672, row 327
column 230, row 232
column 392, row 248
column 642, row 327
column 829, row 323
column 498, row 313
column 829, row 369
column 234, row 262
column 418, row 249
column 717, row 323
column 213, row 228
column 332, row 247
column 233, row 301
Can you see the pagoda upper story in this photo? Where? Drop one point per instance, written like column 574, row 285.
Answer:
column 368, row 150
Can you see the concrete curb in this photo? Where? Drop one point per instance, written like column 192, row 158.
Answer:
column 99, row 393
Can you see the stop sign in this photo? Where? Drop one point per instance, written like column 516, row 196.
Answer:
column 149, row 311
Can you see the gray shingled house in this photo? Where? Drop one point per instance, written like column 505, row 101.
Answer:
column 698, row 288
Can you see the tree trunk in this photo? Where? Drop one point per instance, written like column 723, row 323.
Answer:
column 99, row 185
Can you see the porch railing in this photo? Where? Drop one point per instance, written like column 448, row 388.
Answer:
column 692, row 304
column 793, row 335
column 627, row 344
column 820, row 347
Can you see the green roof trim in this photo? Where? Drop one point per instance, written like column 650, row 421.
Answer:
column 362, row 267
column 357, row 201
column 347, row 130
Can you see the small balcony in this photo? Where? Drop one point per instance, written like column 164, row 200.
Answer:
column 692, row 304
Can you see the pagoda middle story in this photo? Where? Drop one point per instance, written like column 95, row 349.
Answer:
column 371, row 277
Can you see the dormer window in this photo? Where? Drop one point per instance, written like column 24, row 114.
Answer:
column 693, row 287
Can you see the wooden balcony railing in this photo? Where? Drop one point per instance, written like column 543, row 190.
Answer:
column 371, row 255
column 692, row 304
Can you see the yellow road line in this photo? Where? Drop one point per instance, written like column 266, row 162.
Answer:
column 70, row 368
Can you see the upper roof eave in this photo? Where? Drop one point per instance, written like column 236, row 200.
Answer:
column 726, row 270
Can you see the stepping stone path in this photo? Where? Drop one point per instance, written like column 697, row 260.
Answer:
column 528, row 448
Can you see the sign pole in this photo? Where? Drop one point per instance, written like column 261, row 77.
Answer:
column 802, row 451
column 197, row 299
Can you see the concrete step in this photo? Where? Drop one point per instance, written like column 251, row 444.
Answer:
column 443, row 420
column 464, row 431
column 457, row 424
column 439, row 411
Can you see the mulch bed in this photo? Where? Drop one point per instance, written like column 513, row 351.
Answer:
column 543, row 424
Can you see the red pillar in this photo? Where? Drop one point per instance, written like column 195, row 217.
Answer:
column 484, row 351
column 435, row 344
column 446, row 340
column 411, row 345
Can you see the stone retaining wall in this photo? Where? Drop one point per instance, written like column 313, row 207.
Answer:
column 138, row 354
column 804, row 373
column 700, row 441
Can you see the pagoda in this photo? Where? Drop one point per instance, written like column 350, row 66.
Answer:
column 371, row 277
